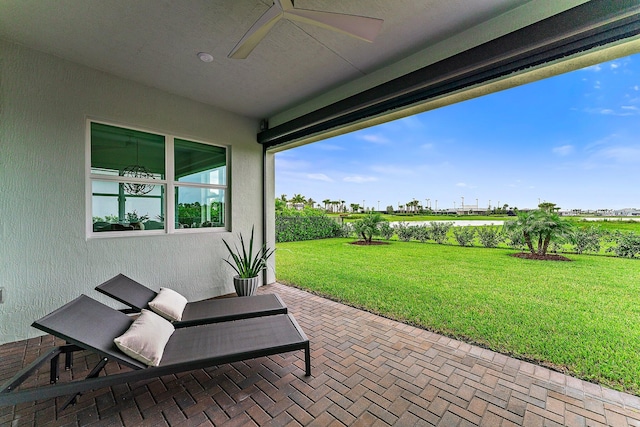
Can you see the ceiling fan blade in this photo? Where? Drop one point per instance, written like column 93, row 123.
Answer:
column 361, row 27
column 257, row 32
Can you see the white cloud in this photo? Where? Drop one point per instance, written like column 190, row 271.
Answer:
column 319, row 177
column 358, row 179
column 596, row 84
column 614, row 65
column 374, row 138
column 595, row 68
column 625, row 110
column 461, row 184
column 636, row 87
column 563, row 150
column 427, row 146
column 620, row 154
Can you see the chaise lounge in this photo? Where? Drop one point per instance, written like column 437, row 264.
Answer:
column 87, row 324
column 137, row 297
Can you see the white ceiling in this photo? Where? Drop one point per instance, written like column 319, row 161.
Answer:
column 155, row 42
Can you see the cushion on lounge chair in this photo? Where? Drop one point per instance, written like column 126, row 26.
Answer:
column 146, row 338
column 137, row 296
column 168, row 304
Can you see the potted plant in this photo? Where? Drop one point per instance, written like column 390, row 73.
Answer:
column 135, row 220
column 247, row 265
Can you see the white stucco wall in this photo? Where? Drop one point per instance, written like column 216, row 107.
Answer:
column 46, row 259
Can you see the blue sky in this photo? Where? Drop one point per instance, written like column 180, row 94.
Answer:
column 573, row 140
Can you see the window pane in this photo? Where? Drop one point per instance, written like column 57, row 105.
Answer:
column 126, row 152
column 200, row 163
column 115, row 210
column 199, row 207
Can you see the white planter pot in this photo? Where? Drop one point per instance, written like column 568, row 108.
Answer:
column 245, row 287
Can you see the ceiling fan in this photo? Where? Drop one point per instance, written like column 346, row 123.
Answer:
column 360, row 27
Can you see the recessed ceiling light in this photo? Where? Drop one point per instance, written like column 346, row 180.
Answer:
column 205, row 57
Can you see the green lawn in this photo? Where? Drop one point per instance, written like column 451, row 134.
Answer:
column 412, row 218
column 581, row 317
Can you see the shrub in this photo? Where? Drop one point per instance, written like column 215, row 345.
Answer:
column 556, row 246
column 586, row 239
column 386, row 231
column 625, row 244
column 514, row 239
column 346, row 230
column 439, row 231
column 464, row 235
column 421, row 233
column 490, row 237
column 293, row 226
column 539, row 228
column 404, row 232
column 368, row 227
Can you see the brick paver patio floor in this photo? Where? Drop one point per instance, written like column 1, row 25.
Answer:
column 367, row 371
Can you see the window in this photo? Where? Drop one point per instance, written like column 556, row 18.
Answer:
column 134, row 174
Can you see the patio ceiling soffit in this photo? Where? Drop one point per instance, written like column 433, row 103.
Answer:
column 580, row 29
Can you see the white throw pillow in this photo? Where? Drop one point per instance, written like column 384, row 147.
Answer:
column 146, row 337
column 168, row 304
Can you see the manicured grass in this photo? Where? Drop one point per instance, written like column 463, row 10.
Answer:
column 412, row 218
column 612, row 225
column 580, row 317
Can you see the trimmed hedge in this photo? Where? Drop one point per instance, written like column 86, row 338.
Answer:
column 297, row 228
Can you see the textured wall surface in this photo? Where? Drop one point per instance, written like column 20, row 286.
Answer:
column 45, row 257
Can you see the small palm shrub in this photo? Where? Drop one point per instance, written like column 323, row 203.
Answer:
column 368, row 226
column 464, row 235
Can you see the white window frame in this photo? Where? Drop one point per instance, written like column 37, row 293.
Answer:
column 169, row 183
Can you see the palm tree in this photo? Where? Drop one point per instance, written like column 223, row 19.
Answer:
column 354, row 207
column 550, row 226
column 283, row 197
column 541, row 224
column 525, row 222
column 298, row 201
column 298, row 198
column 368, row 227
column 326, row 204
column 311, row 202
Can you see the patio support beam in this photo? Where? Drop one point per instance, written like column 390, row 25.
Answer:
column 587, row 26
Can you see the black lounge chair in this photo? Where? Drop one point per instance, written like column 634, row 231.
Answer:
column 137, row 296
column 87, row 324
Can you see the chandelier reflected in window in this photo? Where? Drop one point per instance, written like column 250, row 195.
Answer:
column 137, row 171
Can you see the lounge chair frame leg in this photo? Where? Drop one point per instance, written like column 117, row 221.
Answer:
column 94, row 373
column 307, row 360
column 54, row 370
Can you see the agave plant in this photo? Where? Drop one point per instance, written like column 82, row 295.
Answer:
column 245, row 263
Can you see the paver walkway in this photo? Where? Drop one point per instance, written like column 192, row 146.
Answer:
column 367, row 371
